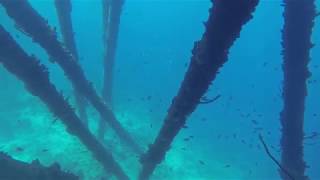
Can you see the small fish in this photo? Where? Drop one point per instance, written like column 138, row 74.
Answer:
column 205, row 100
column 44, row 150
column 185, row 127
column 254, row 122
column 19, row 149
column 203, row 119
column 234, row 136
column 201, row 162
column 186, row 139
column 312, row 136
column 149, row 98
column 227, row 166
column 54, row 120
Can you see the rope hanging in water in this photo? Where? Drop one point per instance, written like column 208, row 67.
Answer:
column 273, row 158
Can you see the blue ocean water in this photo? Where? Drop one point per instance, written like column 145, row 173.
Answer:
column 154, row 49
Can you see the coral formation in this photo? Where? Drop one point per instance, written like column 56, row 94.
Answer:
column 13, row 169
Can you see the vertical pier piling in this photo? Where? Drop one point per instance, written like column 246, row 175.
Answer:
column 296, row 41
column 223, row 27
column 64, row 8
column 111, row 13
column 111, row 10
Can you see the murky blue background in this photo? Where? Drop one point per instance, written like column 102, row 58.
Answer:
column 154, row 49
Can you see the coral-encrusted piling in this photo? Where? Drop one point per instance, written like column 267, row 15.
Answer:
column 64, row 8
column 298, row 23
column 111, row 14
column 33, row 24
column 36, row 80
column 13, row 169
column 222, row 28
column 106, row 20
column 106, row 90
column 111, row 10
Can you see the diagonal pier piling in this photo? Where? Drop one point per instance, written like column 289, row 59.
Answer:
column 33, row 24
column 299, row 18
column 223, row 27
column 64, row 8
column 36, row 80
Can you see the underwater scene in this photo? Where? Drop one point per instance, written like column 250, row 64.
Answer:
column 159, row 89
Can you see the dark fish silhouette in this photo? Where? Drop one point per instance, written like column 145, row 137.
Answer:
column 205, row 100
column 19, row 149
column 186, row 139
column 254, row 122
